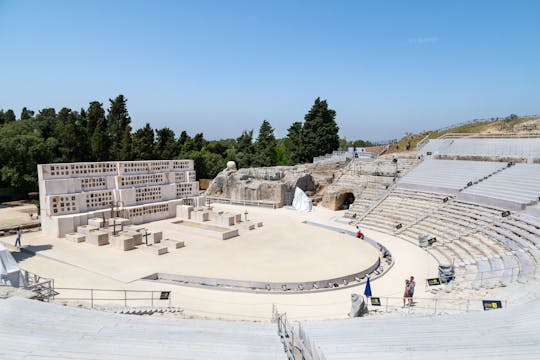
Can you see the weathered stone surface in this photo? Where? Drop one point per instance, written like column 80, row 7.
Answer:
column 275, row 184
column 362, row 183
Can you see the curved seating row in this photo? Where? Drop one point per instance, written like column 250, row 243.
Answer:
column 32, row 329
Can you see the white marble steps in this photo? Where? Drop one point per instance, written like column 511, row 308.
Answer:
column 32, row 329
column 514, row 334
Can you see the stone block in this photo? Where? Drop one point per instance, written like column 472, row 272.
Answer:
column 137, row 236
column 175, row 244
column 225, row 219
column 200, row 216
column 98, row 238
column 122, row 242
column 251, row 227
column 117, row 221
column 75, row 237
column 155, row 237
column 86, row 229
column 184, row 211
column 259, row 224
column 96, row 222
column 238, row 218
column 156, row 249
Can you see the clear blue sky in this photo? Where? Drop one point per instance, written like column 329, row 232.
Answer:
column 223, row 66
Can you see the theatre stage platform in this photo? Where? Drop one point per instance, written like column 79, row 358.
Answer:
column 283, row 250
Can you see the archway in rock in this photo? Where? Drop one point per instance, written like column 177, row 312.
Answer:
column 344, row 200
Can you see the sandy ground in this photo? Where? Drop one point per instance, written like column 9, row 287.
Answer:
column 283, row 250
column 316, row 252
column 16, row 213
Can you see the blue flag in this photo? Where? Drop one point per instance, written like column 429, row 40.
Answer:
column 367, row 290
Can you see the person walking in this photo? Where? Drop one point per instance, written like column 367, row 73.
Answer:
column 18, row 238
column 412, row 285
column 406, row 293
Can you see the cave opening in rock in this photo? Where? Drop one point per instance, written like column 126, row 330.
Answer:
column 345, row 200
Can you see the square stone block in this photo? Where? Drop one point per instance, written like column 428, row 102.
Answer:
column 259, row 224
column 155, row 237
column 75, row 237
column 98, row 238
column 86, row 229
column 117, row 221
column 251, row 227
column 122, row 242
column 156, row 249
column 184, row 211
column 226, row 220
column 200, row 216
column 238, row 218
column 175, row 244
column 137, row 236
column 96, row 222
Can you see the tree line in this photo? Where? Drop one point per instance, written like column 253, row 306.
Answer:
column 93, row 134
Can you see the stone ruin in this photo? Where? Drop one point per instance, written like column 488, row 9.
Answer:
column 273, row 184
column 334, row 184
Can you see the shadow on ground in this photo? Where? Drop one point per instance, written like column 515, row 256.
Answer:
column 29, row 251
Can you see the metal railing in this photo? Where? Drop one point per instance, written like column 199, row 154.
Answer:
column 490, row 135
column 121, row 297
column 42, row 287
column 258, row 203
column 429, row 306
column 293, row 344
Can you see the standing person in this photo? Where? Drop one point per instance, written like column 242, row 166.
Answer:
column 407, row 292
column 412, row 285
column 18, row 239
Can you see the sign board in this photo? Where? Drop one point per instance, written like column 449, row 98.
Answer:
column 375, row 301
column 399, row 226
column 492, row 304
column 505, row 213
column 434, row 281
column 164, row 295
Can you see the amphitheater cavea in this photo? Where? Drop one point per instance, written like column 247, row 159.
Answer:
column 296, row 180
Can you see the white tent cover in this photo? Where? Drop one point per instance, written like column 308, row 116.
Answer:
column 10, row 274
column 301, row 202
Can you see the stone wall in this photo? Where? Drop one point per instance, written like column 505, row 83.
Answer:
column 275, row 184
column 72, row 193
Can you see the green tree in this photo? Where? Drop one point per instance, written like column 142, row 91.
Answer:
column 265, row 146
column 94, row 115
column 67, row 136
column 21, row 148
column 46, row 122
column 143, row 143
column 118, row 121
column 281, row 155
column 126, row 145
column 26, row 114
column 199, row 142
column 166, row 146
column 320, row 131
column 244, row 150
column 294, row 144
column 9, row 116
column 100, row 142
column 182, row 139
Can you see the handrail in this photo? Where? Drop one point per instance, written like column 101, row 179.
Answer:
column 422, row 142
column 490, row 135
column 92, row 298
column 258, row 203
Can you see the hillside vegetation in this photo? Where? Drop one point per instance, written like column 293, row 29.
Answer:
column 497, row 125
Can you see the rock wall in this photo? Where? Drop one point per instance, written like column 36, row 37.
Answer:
column 276, row 184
